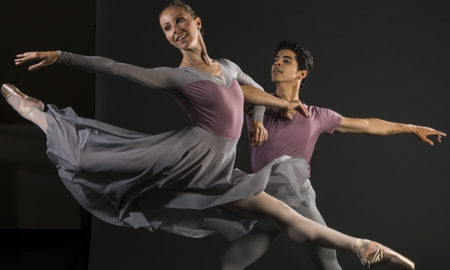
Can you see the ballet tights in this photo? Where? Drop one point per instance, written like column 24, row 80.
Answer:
column 29, row 111
column 266, row 208
column 246, row 250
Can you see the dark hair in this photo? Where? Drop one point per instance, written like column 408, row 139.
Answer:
column 185, row 7
column 304, row 59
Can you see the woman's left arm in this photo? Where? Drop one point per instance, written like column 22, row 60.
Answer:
column 244, row 79
column 255, row 96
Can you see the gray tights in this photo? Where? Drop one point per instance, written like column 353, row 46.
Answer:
column 246, row 250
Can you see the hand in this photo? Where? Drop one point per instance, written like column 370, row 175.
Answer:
column 257, row 133
column 295, row 105
column 44, row 58
column 423, row 132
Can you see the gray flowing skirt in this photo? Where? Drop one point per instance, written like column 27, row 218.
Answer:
column 175, row 181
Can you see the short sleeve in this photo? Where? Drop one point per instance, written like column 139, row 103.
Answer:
column 329, row 119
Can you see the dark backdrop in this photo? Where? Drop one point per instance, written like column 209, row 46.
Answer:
column 385, row 59
column 29, row 185
column 381, row 59
column 41, row 225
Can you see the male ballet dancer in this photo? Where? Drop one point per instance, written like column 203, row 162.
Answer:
column 291, row 66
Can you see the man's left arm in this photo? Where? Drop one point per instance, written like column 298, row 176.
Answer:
column 375, row 126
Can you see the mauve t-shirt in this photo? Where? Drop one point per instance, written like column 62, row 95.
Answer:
column 296, row 137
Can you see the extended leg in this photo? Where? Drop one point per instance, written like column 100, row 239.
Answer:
column 244, row 251
column 28, row 107
column 264, row 207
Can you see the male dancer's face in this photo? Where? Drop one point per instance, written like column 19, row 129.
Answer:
column 285, row 67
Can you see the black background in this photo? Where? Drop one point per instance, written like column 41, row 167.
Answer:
column 381, row 59
column 41, row 225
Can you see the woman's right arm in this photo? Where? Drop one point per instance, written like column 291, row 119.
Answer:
column 155, row 78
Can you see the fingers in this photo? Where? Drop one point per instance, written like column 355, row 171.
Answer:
column 25, row 57
column 431, row 132
column 437, row 132
column 287, row 115
column 37, row 66
column 260, row 138
column 425, row 139
column 33, row 56
column 256, row 137
column 251, row 136
column 303, row 110
column 20, row 59
column 257, row 134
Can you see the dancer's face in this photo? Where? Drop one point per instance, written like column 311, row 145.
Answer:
column 180, row 28
column 285, row 67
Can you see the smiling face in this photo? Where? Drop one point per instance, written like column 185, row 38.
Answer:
column 285, row 67
column 180, row 28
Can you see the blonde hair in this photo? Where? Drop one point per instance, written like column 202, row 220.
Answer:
column 185, row 7
column 180, row 4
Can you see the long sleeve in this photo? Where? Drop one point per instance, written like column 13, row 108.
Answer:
column 158, row 78
column 258, row 110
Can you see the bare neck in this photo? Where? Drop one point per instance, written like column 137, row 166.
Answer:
column 196, row 56
column 288, row 91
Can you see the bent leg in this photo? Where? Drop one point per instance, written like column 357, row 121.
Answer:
column 323, row 258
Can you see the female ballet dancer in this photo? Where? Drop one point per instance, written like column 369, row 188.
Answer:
column 180, row 181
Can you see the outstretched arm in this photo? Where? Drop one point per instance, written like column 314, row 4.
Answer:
column 374, row 126
column 154, row 78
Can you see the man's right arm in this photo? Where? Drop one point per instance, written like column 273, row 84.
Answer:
column 375, row 126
